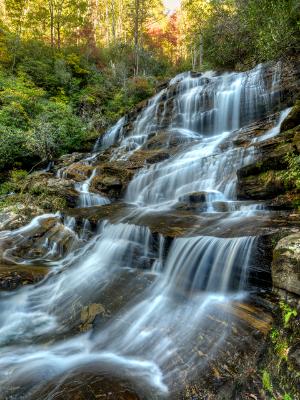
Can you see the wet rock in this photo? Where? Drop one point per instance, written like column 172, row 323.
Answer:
column 68, row 159
column 286, row 201
column 262, row 186
column 46, row 240
column 15, row 276
column 264, row 179
column 253, row 130
column 196, row 197
column 220, row 206
column 293, row 119
column 286, row 264
column 78, row 172
column 196, row 201
column 88, row 315
column 111, row 180
column 92, row 383
column 13, row 217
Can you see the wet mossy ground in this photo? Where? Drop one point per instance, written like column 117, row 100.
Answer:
column 279, row 366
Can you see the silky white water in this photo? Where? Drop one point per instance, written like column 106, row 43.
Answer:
column 187, row 280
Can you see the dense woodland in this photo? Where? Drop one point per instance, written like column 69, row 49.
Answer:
column 71, row 68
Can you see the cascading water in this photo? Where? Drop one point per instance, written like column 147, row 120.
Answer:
column 88, row 199
column 150, row 336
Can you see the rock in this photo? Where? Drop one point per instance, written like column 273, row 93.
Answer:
column 91, row 382
column 68, row 159
column 263, row 180
column 53, row 189
column 88, row 315
column 46, row 239
column 78, row 172
column 15, row 276
column 111, row 180
column 294, row 356
column 286, row 264
column 196, row 197
column 196, row 200
column 293, row 119
column 13, row 217
column 221, row 206
column 263, row 186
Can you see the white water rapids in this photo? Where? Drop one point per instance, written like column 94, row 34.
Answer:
column 192, row 278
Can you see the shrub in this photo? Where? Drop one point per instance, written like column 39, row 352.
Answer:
column 55, row 131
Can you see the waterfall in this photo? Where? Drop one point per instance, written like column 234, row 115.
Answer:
column 156, row 298
column 88, row 199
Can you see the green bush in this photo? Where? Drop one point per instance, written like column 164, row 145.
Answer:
column 56, row 130
column 13, row 146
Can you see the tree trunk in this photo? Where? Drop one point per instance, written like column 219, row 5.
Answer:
column 136, row 35
column 51, row 11
column 201, row 51
column 58, row 35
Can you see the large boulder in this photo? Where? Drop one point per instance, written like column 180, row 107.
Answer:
column 111, row 180
column 286, row 264
column 50, row 190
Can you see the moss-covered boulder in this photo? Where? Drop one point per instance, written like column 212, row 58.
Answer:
column 51, row 192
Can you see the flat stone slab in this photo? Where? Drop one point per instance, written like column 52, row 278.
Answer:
column 181, row 222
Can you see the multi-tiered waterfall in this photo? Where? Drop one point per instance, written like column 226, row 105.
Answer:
column 164, row 306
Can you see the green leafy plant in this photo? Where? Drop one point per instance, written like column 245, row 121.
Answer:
column 291, row 176
column 266, row 381
column 287, row 313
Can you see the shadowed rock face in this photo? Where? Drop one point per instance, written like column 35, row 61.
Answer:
column 265, row 178
column 286, row 264
column 165, row 292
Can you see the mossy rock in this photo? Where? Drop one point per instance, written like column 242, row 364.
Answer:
column 293, row 119
column 286, row 264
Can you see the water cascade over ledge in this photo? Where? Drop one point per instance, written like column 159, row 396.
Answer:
column 163, row 308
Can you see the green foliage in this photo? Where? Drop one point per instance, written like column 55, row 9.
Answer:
column 56, row 130
column 239, row 33
column 55, row 100
column 266, row 380
column 287, row 397
column 15, row 182
column 291, row 176
column 287, row 313
column 280, row 343
column 12, row 146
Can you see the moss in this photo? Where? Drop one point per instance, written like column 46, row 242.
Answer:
column 280, row 375
column 293, row 119
column 43, row 201
column 287, row 313
column 266, row 381
column 291, row 176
